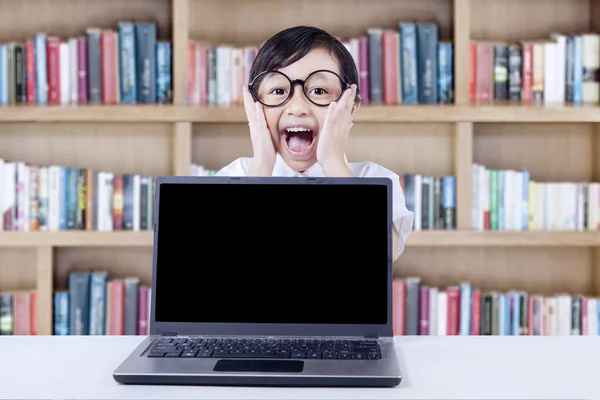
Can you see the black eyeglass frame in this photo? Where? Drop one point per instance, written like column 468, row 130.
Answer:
column 251, row 88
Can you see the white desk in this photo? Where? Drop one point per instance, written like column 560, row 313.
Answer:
column 71, row 367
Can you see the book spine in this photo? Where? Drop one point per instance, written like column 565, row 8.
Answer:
column 375, row 65
column 164, row 93
column 515, row 73
column 500, row 78
column 127, row 62
column 577, row 69
column 145, row 41
column 445, row 73
column 82, row 70
column 94, row 65
column 408, row 59
column 569, row 68
column 41, row 72
column 427, row 41
column 30, row 71
column 79, row 294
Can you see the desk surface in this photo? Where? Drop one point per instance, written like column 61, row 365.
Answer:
column 434, row 367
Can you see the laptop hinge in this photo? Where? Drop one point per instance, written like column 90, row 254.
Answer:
column 168, row 334
column 371, row 336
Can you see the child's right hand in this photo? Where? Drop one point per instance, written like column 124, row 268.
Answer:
column 262, row 143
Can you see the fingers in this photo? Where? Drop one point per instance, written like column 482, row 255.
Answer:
column 249, row 104
column 260, row 118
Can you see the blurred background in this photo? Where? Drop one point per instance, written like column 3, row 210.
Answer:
column 486, row 109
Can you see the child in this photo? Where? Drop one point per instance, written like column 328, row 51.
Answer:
column 305, row 134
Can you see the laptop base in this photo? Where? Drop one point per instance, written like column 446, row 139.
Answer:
column 249, row 380
column 139, row 369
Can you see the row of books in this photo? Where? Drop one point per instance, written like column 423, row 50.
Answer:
column 97, row 304
column 18, row 312
column 511, row 200
column 558, row 69
column 406, row 65
column 463, row 309
column 432, row 199
column 126, row 65
column 57, row 198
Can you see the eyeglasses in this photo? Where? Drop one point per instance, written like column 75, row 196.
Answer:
column 321, row 87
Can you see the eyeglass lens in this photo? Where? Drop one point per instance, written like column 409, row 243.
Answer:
column 322, row 87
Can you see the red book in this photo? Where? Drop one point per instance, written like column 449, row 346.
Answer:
column 453, row 310
column 398, row 307
column 390, row 63
column 117, row 307
column 142, row 317
column 22, row 313
column 485, row 77
column 33, row 312
column 476, row 313
column 527, row 63
column 473, row 72
column 191, row 71
column 363, row 68
column 53, row 69
column 30, row 71
column 107, row 51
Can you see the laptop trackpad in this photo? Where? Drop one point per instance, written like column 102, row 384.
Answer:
column 259, row 365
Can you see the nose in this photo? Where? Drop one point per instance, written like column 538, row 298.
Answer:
column 297, row 104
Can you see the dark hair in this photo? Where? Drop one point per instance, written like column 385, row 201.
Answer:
column 291, row 44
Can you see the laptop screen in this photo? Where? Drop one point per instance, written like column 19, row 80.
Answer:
column 265, row 253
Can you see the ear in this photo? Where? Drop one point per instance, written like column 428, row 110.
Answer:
column 356, row 104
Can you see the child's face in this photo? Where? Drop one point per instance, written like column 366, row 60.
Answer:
column 299, row 149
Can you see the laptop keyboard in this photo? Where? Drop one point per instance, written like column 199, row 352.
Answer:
column 329, row 349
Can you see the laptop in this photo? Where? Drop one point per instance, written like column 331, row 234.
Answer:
column 277, row 281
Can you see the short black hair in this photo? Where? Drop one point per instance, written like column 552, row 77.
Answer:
column 291, row 44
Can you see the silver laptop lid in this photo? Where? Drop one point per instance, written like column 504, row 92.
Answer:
column 272, row 256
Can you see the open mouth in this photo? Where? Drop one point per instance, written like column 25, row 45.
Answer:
column 299, row 139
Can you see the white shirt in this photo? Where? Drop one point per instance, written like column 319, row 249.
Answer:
column 401, row 216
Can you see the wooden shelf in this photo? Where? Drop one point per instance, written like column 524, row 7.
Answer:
column 76, row 239
column 441, row 238
column 504, row 238
column 402, row 113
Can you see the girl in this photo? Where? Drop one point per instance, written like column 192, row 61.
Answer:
column 300, row 103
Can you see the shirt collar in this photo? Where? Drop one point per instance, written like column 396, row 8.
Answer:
column 282, row 169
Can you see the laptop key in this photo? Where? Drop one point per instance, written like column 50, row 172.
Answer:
column 173, row 354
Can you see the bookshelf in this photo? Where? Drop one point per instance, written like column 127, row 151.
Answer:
column 554, row 142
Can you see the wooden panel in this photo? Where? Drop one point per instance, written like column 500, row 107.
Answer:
column 119, row 262
column 216, row 145
column 251, row 22
column 551, row 152
column 402, row 148
column 22, row 19
column 536, row 270
column 120, row 148
column 18, row 269
column 514, row 20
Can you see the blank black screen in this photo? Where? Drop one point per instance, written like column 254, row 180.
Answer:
column 266, row 253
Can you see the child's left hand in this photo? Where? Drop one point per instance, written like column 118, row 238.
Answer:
column 333, row 136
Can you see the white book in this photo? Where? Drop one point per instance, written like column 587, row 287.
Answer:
column 442, row 312
column 65, row 73
column 73, row 77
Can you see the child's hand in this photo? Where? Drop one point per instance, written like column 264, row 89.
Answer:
column 262, row 144
column 333, row 136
